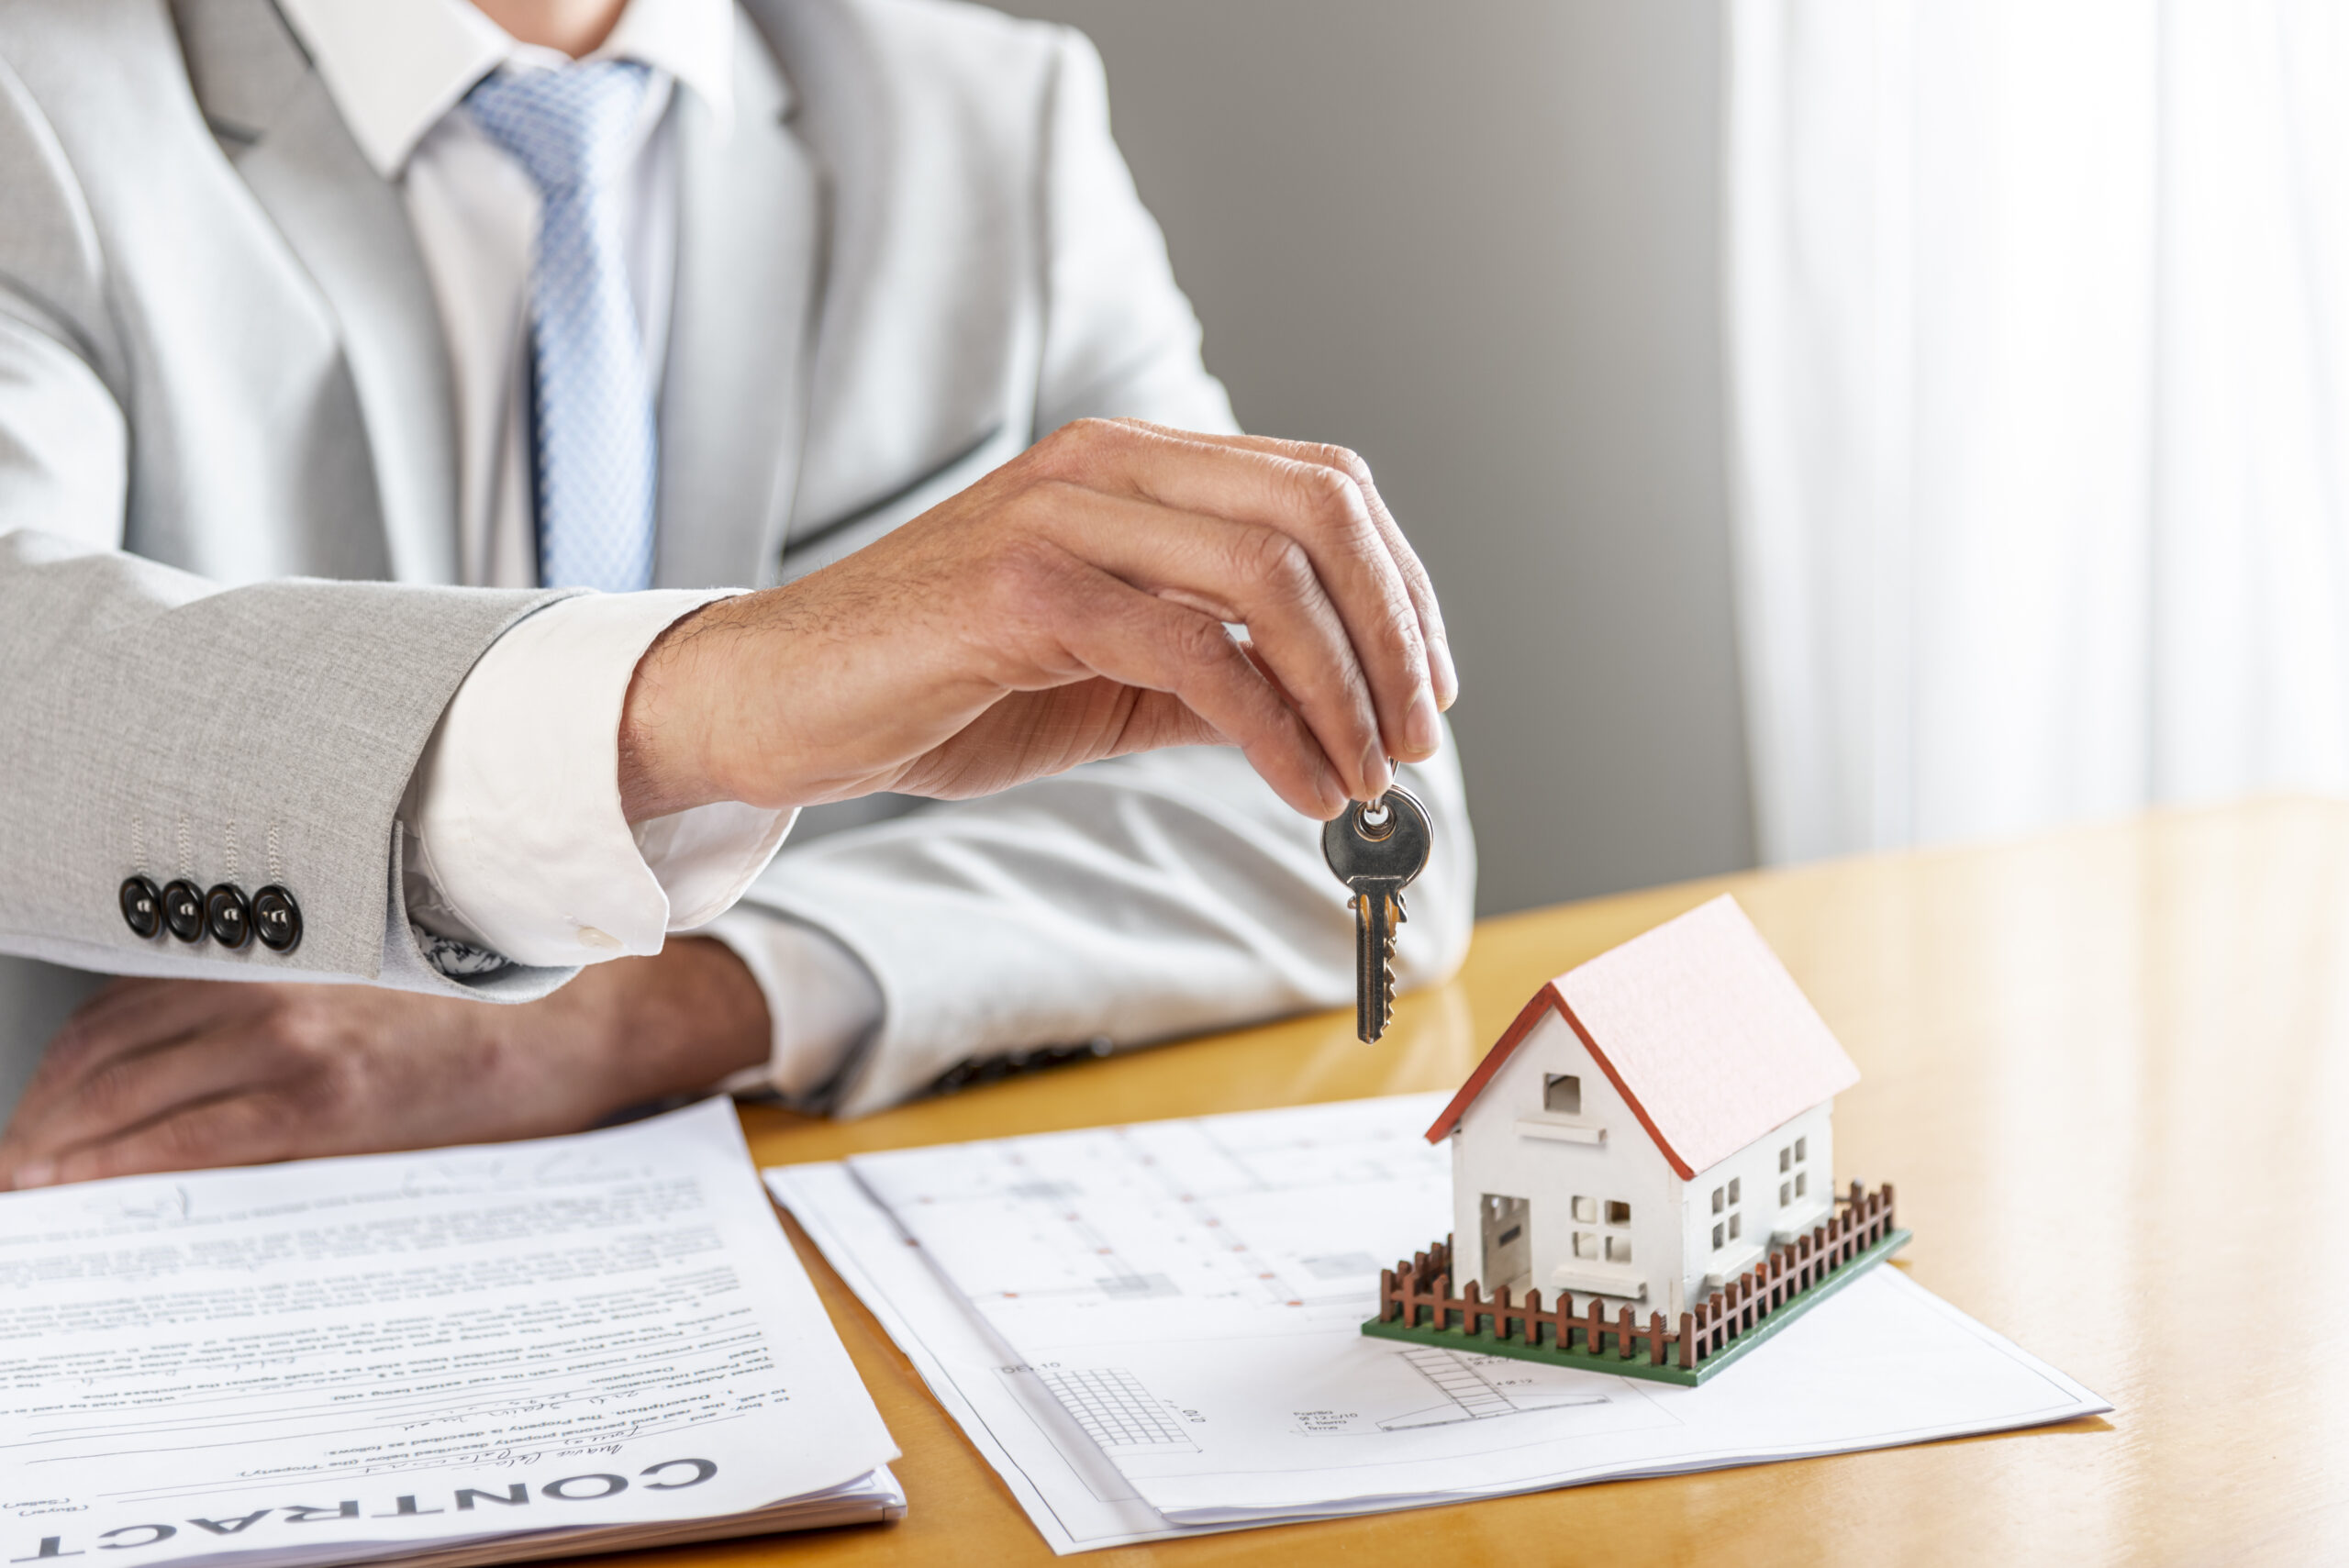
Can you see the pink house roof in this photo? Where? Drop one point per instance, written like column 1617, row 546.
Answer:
column 1699, row 1028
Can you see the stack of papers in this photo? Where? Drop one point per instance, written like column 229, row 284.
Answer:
column 473, row 1356
column 1152, row 1330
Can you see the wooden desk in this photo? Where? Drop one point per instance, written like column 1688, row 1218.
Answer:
column 2109, row 1072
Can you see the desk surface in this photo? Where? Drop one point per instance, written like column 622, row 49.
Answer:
column 2106, row 1071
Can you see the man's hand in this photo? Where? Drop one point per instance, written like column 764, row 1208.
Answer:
column 181, row 1074
column 1067, row 607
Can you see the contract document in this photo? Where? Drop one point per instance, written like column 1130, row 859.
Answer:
column 470, row 1356
column 1153, row 1329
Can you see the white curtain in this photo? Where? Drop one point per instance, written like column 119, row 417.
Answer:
column 2039, row 336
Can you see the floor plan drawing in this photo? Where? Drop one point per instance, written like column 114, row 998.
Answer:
column 1478, row 1388
column 1161, row 1321
column 1223, row 1223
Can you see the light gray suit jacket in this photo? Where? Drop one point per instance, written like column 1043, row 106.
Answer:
column 228, row 512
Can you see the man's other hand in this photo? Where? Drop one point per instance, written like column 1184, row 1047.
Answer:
column 182, row 1075
column 1069, row 607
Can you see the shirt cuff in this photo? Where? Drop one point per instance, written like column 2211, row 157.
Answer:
column 823, row 1001
column 517, row 842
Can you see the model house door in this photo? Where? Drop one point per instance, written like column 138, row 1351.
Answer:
column 1508, row 1258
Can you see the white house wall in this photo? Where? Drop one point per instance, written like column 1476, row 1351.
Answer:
column 1490, row 1154
column 1755, row 1169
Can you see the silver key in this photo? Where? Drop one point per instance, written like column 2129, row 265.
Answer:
column 1376, row 850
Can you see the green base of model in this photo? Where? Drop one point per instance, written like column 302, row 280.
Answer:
column 1612, row 1353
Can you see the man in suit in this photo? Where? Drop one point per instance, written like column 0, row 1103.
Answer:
column 343, row 342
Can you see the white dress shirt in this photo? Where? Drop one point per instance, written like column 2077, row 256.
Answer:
column 514, row 837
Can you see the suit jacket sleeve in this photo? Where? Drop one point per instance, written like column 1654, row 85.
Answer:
column 1133, row 900
column 162, row 725
column 159, row 723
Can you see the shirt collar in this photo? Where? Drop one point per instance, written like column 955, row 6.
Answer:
column 394, row 67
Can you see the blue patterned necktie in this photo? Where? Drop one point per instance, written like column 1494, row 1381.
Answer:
column 592, row 443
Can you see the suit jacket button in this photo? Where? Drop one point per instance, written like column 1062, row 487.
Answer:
column 277, row 919
column 228, row 916
column 142, row 906
column 183, row 911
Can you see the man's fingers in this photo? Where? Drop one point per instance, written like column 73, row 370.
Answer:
column 1240, row 572
column 1057, row 729
column 124, row 1019
column 132, row 1013
column 1324, row 494
column 1320, row 504
column 241, row 1129
column 131, row 1088
column 1112, row 629
column 1442, row 672
column 1160, row 719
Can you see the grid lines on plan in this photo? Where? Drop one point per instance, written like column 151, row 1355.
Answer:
column 1113, row 1407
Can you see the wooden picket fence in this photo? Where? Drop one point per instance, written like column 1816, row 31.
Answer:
column 1419, row 1292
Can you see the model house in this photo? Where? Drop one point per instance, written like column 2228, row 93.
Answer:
column 1650, row 1122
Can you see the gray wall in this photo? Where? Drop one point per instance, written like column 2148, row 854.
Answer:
column 1478, row 242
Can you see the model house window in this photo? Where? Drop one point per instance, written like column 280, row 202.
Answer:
column 1802, row 1183
column 1801, row 1154
column 1717, row 1205
column 1618, row 1241
column 1727, row 1199
column 1562, row 1092
column 1785, row 1159
column 1614, row 1249
column 1733, row 1199
column 1785, row 1193
column 1733, row 1226
column 1716, row 1238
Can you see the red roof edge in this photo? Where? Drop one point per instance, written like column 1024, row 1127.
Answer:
column 1529, row 1015
column 1550, row 997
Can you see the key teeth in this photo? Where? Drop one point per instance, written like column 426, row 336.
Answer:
column 1386, row 964
column 1387, row 957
